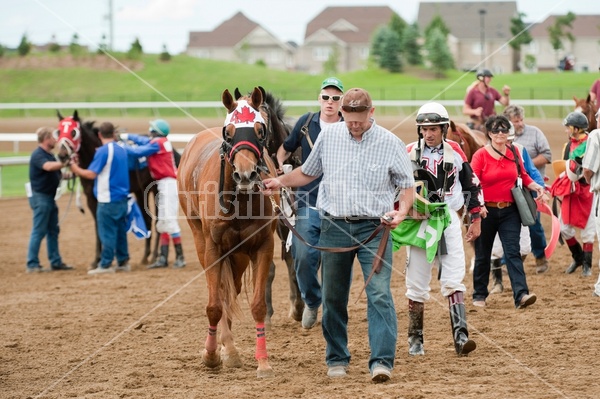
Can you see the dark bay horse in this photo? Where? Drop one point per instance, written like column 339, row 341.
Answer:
column 469, row 140
column 588, row 108
column 77, row 137
column 232, row 222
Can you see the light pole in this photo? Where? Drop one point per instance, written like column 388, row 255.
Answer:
column 482, row 34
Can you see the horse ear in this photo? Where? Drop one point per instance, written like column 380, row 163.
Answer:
column 262, row 90
column 60, row 117
column 589, row 99
column 75, row 115
column 228, row 101
column 452, row 126
column 237, row 94
column 257, row 97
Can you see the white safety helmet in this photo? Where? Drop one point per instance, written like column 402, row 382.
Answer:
column 432, row 114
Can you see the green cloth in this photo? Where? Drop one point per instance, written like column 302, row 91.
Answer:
column 423, row 233
column 579, row 151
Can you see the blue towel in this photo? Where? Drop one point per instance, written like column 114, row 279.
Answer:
column 135, row 220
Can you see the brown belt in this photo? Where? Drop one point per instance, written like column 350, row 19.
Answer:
column 498, row 205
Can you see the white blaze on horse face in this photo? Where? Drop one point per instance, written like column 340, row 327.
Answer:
column 243, row 116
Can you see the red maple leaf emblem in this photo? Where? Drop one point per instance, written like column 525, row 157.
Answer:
column 246, row 116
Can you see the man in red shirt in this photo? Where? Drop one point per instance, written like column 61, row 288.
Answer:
column 480, row 100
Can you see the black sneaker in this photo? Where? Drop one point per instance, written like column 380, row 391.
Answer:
column 62, row 266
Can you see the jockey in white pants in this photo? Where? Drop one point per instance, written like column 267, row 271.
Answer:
column 161, row 163
column 446, row 164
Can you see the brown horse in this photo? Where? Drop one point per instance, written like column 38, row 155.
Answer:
column 588, row 108
column 470, row 140
column 232, row 222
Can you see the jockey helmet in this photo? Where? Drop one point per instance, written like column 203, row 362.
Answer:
column 432, row 114
column 576, row 119
column 160, row 127
column 484, row 72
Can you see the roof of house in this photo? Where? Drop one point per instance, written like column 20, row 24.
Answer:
column 464, row 19
column 583, row 26
column 228, row 34
column 350, row 24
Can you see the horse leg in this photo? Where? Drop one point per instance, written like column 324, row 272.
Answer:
column 269, row 295
column 261, row 262
column 297, row 304
column 231, row 278
column 92, row 204
column 214, row 309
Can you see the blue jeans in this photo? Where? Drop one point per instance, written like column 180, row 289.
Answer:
column 337, row 279
column 306, row 259
column 45, row 224
column 112, row 229
column 507, row 223
column 538, row 238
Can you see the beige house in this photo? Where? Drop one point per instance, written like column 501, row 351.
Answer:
column 479, row 32
column 241, row 40
column 585, row 49
column 343, row 33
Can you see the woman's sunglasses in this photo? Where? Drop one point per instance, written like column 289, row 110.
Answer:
column 496, row 131
column 325, row 97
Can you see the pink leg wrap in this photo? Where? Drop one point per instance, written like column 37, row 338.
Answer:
column 261, row 342
column 211, row 339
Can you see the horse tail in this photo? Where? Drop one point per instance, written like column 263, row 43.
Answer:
column 229, row 293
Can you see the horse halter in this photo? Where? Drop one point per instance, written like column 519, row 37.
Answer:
column 68, row 134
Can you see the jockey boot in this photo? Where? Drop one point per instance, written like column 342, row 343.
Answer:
column 577, row 254
column 496, row 270
column 458, row 319
column 415, row 328
column 587, row 264
column 162, row 258
column 179, row 259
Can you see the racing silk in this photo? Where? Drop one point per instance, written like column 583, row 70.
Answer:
column 462, row 184
column 159, row 151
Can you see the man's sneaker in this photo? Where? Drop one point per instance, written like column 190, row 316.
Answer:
column 123, row 267
column 37, row 269
column 309, row 317
column 101, row 270
column 380, row 374
column 62, row 266
column 541, row 265
column 336, row 372
column 527, row 300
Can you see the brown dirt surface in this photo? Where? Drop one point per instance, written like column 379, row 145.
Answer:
column 140, row 334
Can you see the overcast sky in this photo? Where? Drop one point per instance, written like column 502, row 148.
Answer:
column 168, row 22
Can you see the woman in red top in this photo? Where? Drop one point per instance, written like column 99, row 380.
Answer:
column 495, row 166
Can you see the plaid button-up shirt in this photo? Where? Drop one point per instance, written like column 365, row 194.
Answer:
column 360, row 178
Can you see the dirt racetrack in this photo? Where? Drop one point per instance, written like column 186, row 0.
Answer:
column 140, row 334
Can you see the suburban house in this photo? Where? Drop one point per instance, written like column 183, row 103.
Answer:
column 341, row 32
column 585, row 49
column 479, row 32
column 241, row 40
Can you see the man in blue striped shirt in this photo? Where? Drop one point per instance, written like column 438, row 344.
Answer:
column 363, row 167
column 111, row 186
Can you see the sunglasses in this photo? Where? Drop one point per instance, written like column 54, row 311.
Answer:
column 430, row 118
column 505, row 131
column 358, row 108
column 325, row 97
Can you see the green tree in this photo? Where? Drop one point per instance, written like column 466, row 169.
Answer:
column 164, row 55
column 520, row 36
column 135, row 51
column 74, row 47
column 24, row 46
column 411, row 49
column 390, row 57
column 398, row 25
column 437, row 23
column 377, row 43
column 2, row 50
column 438, row 53
column 558, row 34
column 330, row 67
column 54, row 47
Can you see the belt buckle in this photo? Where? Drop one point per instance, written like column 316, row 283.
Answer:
column 502, row 205
column 348, row 219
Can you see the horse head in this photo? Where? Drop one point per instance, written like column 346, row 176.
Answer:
column 588, row 108
column 244, row 135
column 68, row 135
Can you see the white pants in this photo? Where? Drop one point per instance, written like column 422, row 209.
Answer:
column 418, row 270
column 524, row 243
column 587, row 233
column 168, row 206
